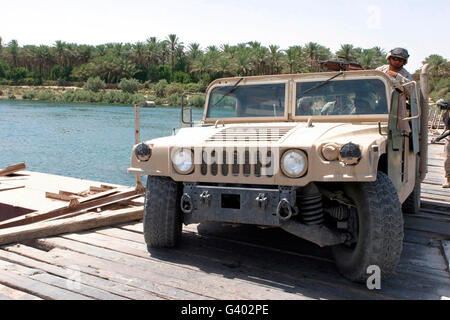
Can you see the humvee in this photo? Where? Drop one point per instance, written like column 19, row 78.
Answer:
column 331, row 157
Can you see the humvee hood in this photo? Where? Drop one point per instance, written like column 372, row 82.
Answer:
column 283, row 134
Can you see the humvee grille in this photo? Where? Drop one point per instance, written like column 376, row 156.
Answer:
column 251, row 134
column 235, row 163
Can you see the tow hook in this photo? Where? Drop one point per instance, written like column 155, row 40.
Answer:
column 186, row 204
column 284, row 209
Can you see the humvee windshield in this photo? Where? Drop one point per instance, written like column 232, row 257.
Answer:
column 264, row 100
column 343, row 97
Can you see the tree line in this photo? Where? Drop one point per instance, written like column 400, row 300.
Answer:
column 171, row 60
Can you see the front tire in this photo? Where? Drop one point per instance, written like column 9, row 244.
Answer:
column 162, row 213
column 379, row 238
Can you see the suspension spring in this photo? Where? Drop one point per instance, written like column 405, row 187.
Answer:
column 311, row 209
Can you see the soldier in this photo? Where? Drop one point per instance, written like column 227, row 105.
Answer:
column 444, row 105
column 341, row 105
column 397, row 58
column 304, row 106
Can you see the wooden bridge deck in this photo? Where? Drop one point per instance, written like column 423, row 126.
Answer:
column 224, row 262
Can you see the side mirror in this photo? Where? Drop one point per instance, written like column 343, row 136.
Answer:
column 186, row 111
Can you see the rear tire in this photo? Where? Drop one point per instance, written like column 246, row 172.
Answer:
column 162, row 213
column 379, row 240
column 412, row 203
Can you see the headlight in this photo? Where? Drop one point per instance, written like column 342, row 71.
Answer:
column 143, row 152
column 183, row 160
column 294, row 163
column 350, row 153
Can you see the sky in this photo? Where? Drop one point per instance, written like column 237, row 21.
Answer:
column 420, row 26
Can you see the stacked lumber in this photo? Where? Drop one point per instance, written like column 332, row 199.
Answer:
column 96, row 207
column 12, row 169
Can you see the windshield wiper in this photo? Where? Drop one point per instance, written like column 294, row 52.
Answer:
column 230, row 91
column 323, row 83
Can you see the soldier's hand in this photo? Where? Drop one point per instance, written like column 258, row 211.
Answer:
column 433, row 140
column 392, row 73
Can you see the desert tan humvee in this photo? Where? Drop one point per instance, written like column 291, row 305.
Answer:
column 330, row 157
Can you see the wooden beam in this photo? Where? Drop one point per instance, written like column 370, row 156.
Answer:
column 84, row 204
column 75, row 224
column 59, row 196
column 105, row 186
column 11, row 169
column 6, row 188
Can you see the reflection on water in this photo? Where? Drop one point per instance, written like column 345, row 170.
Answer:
column 85, row 141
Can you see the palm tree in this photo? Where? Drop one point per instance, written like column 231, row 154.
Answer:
column 275, row 59
column 225, row 66
column 201, row 65
column 293, row 58
column 367, row 60
column 258, row 56
column 139, row 49
column 438, row 65
column 173, row 43
column 243, row 62
column 346, row 52
column 312, row 51
column 13, row 47
column 213, row 54
column 60, row 48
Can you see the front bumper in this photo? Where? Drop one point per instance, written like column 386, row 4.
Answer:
column 260, row 206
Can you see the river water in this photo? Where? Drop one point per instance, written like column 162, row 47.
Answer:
column 78, row 140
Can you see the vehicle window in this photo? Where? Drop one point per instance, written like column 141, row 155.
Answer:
column 341, row 97
column 247, row 101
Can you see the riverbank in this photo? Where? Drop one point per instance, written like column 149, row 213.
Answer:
column 171, row 96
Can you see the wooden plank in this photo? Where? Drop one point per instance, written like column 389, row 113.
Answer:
column 314, row 274
column 188, row 276
column 12, row 169
column 69, row 282
column 446, row 250
column 437, row 227
column 400, row 285
column 57, row 196
column 107, row 187
column 83, row 205
column 146, row 278
column 7, row 188
column 423, row 238
column 230, row 236
column 98, row 189
column 11, row 278
column 35, row 258
column 79, row 223
column 7, row 293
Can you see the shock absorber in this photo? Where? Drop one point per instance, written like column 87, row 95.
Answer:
column 309, row 202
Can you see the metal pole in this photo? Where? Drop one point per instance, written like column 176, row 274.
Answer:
column 137, row 139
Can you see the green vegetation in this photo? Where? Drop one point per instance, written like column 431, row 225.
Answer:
column 160, row 70
column 129, row 85
column 95, row 84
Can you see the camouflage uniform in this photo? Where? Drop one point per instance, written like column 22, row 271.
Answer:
column 446, row 118
column 403, row 76
column 331, row 108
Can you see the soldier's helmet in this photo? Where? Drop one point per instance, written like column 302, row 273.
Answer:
column 442, row 104
column 399, row 53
